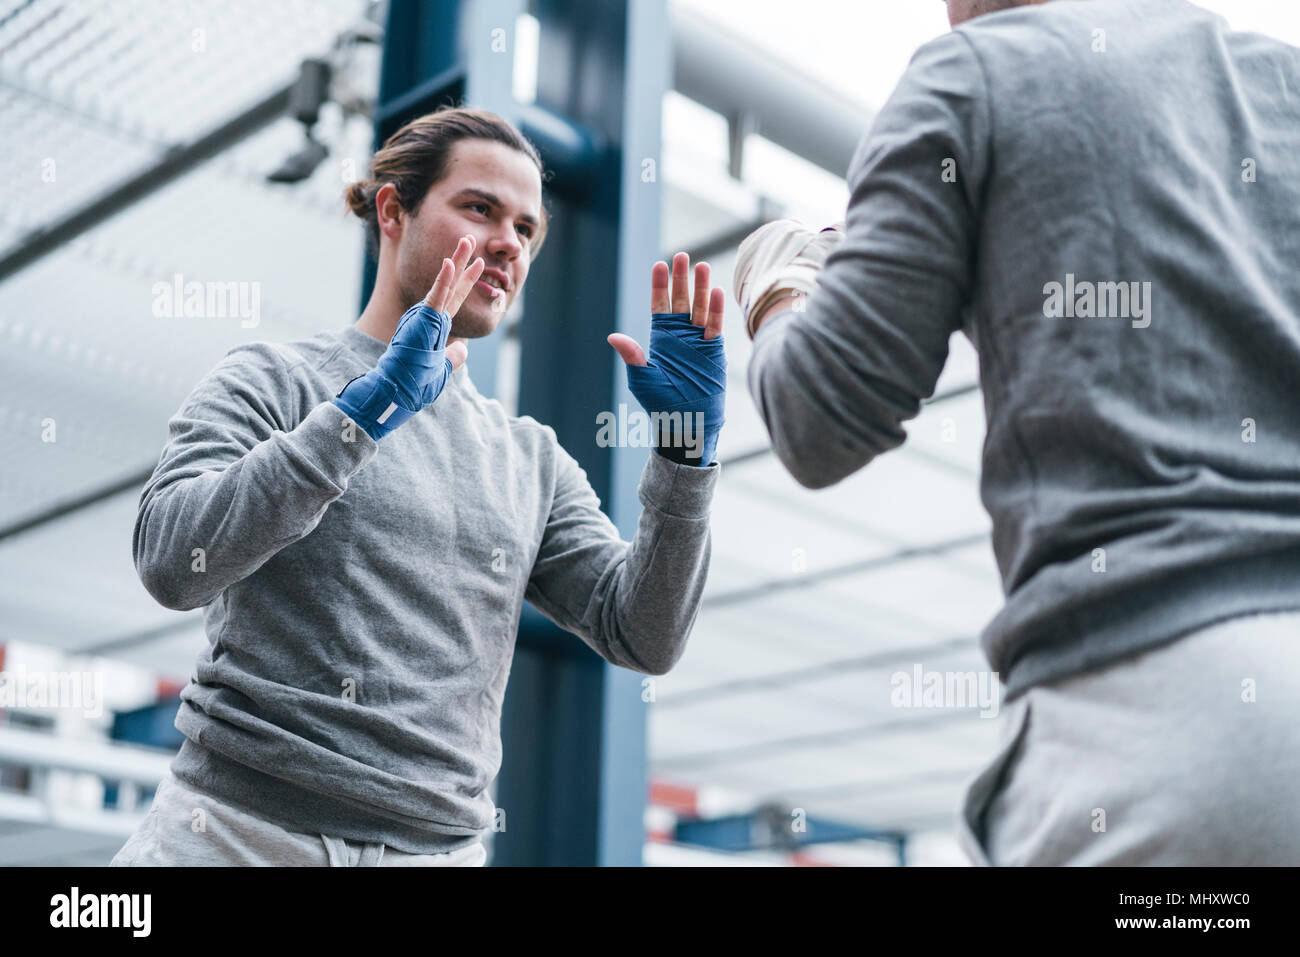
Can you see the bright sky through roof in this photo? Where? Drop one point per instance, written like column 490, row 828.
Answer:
column 860, row 47
column 863, row 46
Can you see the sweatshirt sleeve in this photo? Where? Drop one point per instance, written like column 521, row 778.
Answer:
column 239, row 479
column 634, row 604
column 835, row 382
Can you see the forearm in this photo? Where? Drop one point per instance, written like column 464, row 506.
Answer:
column 835, row 380
column 198, row 531
column 633, row 604
column 824, row 417
column 652, row 602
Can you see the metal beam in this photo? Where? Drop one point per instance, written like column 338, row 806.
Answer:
column 766, row 589
column 114, row 762
column 822, row 739
column 572, row 153
column 770, row 829
column 718, row 69
column 797, row 676
column 723, row 242
column 876, row 787
column 175, row 163
column 750, row 455
column 445, row 89
column 187, row 621
column 711, row 64
column 134, row 482
column 573, row 779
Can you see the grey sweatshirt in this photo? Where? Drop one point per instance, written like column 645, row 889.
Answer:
column 1142, row 461
column 362, row 598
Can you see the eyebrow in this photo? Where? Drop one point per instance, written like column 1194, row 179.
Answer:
column 495, row 201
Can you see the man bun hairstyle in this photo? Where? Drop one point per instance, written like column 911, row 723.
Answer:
column 416, row 157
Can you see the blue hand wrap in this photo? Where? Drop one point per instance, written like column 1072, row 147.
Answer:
column 409, row 375
column 686, row 374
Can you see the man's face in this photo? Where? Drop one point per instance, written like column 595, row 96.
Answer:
column 492, row 193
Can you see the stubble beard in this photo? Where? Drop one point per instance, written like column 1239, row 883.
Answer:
column 473, row 320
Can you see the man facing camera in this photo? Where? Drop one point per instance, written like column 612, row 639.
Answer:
column 362, row 528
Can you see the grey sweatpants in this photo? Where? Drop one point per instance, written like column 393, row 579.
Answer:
column 1188, row 754
column 186, row 828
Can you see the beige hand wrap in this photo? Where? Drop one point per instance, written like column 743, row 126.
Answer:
column 777, row 258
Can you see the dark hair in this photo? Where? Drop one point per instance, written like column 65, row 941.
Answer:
column 416, row 156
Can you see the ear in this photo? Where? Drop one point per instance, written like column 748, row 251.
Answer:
column 389, row 211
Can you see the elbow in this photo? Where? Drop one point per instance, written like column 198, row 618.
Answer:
column 164, row 575
column 816, row 465
column 664, row 665
column 658, row 670
column 184, row 602
column 652, row 652
column 671, row 645
column 166, row 591
column 807, row 476
column 167, row 586
column 812, row 456
column 657, row 655
column 180, row 604
column 649, row 636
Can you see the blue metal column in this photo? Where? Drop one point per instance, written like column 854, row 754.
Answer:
column 447, row 53
column 604, row 65
column 573, row 776
column 420, row 68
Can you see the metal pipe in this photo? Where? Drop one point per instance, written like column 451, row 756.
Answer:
column 175, row 163
column 114, row 762
column 766, row 589
column 718, row 69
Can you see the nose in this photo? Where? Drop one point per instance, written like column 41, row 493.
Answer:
column 505, row 243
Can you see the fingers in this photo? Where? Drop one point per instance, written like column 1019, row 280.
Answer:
column 700, row 309
column 441, row 286
column 681, row 286
column 447, row 284
column 717, row 305
column 659, row 300
column 463, row 248
column 465, row 283
column 627, row 347
column 705, row 307
column 457, row 352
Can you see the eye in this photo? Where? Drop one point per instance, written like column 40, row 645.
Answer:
column 526, row 230
column 482, row 206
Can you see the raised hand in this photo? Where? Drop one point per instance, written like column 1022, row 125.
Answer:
column 683, row 383
column 455, row 279
column 706, row 310
column 414, row 369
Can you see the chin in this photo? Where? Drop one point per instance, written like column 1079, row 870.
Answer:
column 475, row 324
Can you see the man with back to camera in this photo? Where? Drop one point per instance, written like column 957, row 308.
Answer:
column 1104, row 195
column 363, row 551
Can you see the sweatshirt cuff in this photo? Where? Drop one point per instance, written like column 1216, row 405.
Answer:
column 685, row 491
column 334, row 443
